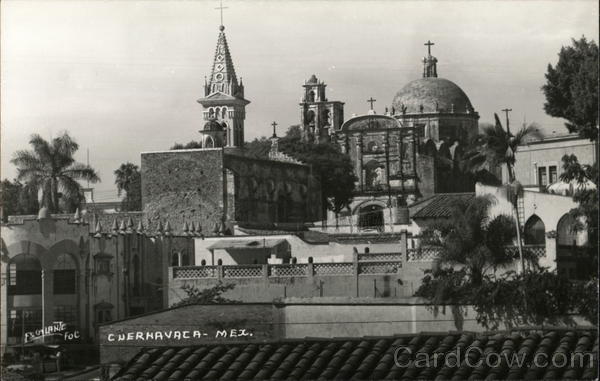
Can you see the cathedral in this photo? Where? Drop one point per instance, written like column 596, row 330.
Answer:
column 410, row 152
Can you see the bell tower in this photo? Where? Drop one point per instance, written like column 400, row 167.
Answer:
column 223, row 100
column 320, row 118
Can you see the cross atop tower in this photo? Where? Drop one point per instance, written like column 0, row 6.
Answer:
column 274, row 124
column 428, row 44
column 371, row 101
column 221, row 7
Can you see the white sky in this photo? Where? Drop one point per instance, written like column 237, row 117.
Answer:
column 123, row 76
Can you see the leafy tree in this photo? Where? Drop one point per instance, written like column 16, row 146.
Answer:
column 129, row 180
column 571, row 88
column 51, row 168
column 586, row 197
column 189, row 145
column 212, row 295
column 17, row 199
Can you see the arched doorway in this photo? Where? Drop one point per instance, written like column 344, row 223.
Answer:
column 573, row 257
column 371, row 217
column 534, row 231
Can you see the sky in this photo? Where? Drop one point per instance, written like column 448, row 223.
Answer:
column 123, row 77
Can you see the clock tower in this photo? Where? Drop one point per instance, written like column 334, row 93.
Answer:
column 223, row 102
column 320, row 117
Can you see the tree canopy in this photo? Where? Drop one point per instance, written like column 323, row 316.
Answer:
column 129, row 180
column 17, row 199
column 192, row 144
column 51, row 168
column 571, row 88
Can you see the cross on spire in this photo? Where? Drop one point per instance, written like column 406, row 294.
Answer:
column 428, row 44
column 221, row 7
column 274, row 124
column 371, row 101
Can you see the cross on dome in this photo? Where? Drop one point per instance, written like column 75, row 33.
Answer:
column 428, row 44
column 371, row 101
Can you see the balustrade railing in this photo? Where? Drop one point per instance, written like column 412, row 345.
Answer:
column 342, row 268
column 536, row 251
column 423, row 254
column 289, row 270
column 371, row 257
column 243, row 271
column 194, row 272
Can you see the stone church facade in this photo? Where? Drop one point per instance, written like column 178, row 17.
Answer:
column 411, row 152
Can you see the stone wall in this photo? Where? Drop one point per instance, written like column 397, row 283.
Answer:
column 183, row 186
column 268, row 191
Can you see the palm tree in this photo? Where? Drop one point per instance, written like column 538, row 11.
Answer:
column 471, row 240
column 51, row 168
column 127, row 176
column 495, row 147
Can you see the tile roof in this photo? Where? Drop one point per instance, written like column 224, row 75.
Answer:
column 373, row 358
column 440, row 205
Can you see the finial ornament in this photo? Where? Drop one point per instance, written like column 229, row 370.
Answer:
column 274, row 124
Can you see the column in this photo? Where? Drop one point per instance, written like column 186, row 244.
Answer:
column 359, row 161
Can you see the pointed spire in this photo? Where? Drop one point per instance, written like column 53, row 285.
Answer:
column 123, row 227
column 193, row 228
column 223, row 71
column 140, row 227
column 77, row 216
column 186, row 228
column 167, row 228
column 115, row 226
column 159, row 228
column 98, row 230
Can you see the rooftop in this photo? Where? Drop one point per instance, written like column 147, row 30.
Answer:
column 375, row 358
column 439, row 205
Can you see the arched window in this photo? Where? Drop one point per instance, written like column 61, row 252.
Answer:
column 311, row 96
column 185, row 258
column 223, row 112
column 211, row 113
column 175, row 259
column 65, row 275
column 535, row 231
column 208, row 142
column 567, row 234
column 25, row 275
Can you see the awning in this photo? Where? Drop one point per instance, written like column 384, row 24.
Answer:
column 265, row 243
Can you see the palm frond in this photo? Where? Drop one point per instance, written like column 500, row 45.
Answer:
column 64, row 145
column 41, row 147
column 79, row 171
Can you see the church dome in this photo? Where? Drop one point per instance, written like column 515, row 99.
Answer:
column 432, row 94
column 213, row 125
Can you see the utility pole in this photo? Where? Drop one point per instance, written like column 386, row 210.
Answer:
column 506, row 111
